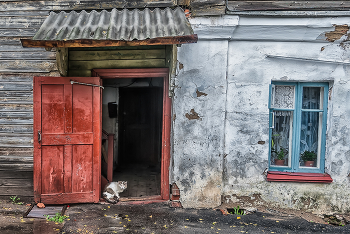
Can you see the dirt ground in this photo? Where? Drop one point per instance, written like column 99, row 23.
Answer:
column 161, row 218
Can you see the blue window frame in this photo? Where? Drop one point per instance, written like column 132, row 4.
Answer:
column 298, row 117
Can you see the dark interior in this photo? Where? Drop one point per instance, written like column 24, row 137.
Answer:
column 140, row 118
column 140, row 133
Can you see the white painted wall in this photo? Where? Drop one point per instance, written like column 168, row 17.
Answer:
column 234, row 61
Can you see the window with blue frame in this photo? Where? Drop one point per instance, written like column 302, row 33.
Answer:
column 298, row 117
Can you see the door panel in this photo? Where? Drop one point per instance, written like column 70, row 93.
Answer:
column 67, row 140
column 82, row 109
column 82, row 168
column 53, row 108
column 52, row 169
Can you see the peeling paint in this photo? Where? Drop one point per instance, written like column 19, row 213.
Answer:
column 236, row 75
column 339, row 31
column 192, row 115
column 181, row 66
column 199, row 93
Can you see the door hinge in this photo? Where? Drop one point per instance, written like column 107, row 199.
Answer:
column 74, row 82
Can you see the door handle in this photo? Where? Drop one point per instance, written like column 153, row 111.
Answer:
column 39, row 136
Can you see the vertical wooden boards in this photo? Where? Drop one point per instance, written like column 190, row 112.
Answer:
column 83, row 60
column 62, row 61
column 166, row 129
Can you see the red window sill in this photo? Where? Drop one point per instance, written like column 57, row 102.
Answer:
column 298, row 177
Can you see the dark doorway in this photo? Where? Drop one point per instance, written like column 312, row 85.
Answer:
column 142, row 141
column 139, row 129
column 140, row 116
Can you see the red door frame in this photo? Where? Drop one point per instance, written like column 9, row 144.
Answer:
column 166, row 125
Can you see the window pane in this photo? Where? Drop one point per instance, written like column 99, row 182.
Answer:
column 281, row 140
column 310, row 138
column 312, row 97
column 283, row 97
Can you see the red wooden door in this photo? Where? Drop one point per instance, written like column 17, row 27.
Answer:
column 67, row 140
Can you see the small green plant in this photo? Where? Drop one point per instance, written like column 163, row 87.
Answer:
column 237, row 211
column 58, row 218
column 308, row 156
column 15, row 200
column 281, row 154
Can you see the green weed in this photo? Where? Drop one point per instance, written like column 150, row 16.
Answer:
column 237, row 211
column 15, row 200
column 58, row 218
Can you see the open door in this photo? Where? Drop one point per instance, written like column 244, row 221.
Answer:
column 136, row 122
column 67, row 139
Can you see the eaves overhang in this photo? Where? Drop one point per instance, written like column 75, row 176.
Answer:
column 114, row 28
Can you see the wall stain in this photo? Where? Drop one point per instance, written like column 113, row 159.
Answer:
column 193, row 115
column 181, row 66
column 199, row 93
column 339, row 31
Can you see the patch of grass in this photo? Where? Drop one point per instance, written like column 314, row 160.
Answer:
column 237, row 211
column 15, row 200
column 58, row 218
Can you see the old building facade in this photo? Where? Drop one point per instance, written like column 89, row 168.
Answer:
column 263, row 82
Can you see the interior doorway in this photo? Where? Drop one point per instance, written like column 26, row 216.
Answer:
column 136, row 109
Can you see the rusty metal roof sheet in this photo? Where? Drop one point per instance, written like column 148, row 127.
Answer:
column 116, row 24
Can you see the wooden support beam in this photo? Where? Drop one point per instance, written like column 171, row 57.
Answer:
column 105, row 43
column 208, row 10
column 62, row 60
column 208, row 7
column 202, row 3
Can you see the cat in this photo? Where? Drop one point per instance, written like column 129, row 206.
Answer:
column 112, row 190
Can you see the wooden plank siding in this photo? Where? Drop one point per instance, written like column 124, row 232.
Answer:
column 18, row 65
column 82, row 61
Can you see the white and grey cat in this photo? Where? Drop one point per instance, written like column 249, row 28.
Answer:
column 112, row 190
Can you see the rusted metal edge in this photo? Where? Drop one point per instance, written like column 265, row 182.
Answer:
column 105, row 43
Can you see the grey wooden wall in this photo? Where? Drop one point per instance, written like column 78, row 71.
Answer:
column 17, row 67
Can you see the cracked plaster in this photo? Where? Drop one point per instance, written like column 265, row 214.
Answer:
column 220, row 155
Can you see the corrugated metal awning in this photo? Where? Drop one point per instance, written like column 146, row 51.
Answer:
column 114, row 28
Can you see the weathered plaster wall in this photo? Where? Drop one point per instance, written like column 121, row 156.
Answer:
column 198, row 109
column 226, row 143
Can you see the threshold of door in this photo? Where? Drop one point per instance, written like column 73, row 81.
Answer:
column 138, row 200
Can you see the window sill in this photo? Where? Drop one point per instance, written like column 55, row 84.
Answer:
column 279, row 176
